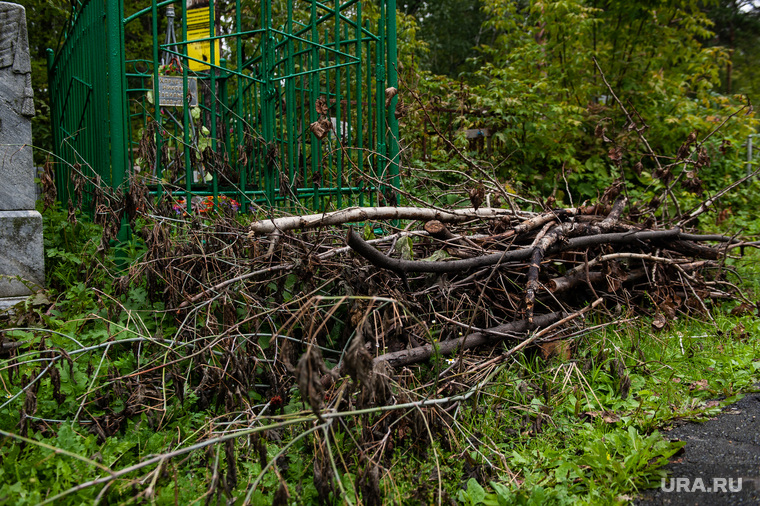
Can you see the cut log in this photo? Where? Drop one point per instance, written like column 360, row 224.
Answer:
column 422, row 353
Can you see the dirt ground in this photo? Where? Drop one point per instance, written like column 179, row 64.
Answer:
column 720, row 452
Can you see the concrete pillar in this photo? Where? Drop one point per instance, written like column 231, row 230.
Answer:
column 22, row 268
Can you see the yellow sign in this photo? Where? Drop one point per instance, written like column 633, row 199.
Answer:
column 197, row 29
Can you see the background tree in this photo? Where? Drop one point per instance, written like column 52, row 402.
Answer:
column 545, row 99
column 737, row 28
column 452, row 29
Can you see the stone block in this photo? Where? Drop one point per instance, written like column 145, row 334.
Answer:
column 17, row 190
column 7, row 303
column 22, row 253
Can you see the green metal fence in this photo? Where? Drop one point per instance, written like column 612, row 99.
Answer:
column 277, row 103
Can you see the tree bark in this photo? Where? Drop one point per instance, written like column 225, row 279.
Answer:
column 355, row 214
column 400, row 267
column 421, row 353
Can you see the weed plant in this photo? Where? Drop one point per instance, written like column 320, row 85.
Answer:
column 97, row 386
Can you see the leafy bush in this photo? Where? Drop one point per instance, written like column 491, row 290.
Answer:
column 556, row 127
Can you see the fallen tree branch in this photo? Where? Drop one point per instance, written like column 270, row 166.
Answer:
column 531, row 224
column 620, row 238
column 556, row 235
column 576, row 277
column 438, row 230
column 565, row 283
column 541, row 333
column 421, row 353
column 693, row 249
column 355, row 214
column 634, row 256
column 400, row 267
column 707, row 204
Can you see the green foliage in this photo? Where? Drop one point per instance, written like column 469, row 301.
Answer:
column 600, row 446
column 451, row 30
column 547, row 431
column 736, row 25
column 70, row 245
column 556, row 127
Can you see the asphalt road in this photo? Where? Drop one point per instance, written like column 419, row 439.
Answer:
column 718, row 453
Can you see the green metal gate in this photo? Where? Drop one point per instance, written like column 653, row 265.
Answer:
column 286, row 103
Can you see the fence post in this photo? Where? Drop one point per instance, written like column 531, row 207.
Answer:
column 55, row 125
column 268, row 96
column 157, row 94
column 393, row 147
column 116, row 98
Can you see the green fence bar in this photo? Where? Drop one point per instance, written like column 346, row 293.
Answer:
column 290, row 112
column 393, row 148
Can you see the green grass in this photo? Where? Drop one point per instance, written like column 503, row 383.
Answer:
column 583, row 428
column 562, row 432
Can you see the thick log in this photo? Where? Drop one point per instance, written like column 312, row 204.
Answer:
column 565, row 283
column 356, row 214
column 378, row 259
column 693, row 249
column 422, row 353
column 438, row 230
